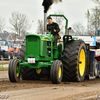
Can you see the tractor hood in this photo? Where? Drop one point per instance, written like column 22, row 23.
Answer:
column 48, row 37
column 36, row 45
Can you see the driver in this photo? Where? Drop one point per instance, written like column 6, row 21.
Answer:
column 54, row 29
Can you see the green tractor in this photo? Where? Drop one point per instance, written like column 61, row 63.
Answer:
column 39, row 56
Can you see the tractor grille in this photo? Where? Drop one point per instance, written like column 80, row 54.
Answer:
column 32, row 46
column 32, row 39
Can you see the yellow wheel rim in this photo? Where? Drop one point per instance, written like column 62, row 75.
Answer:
column 38, row 71
column 59, row 72
column 17, row 74
column 82, row 62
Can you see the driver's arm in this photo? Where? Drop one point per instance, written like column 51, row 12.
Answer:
column 57, row 27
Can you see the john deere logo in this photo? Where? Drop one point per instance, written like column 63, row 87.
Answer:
column 44, row 39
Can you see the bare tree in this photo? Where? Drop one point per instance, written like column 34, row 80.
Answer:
column 78, row 28
column 40, row 26
column 19, row 22
column 96, row 1
column 2, row 24
column 94, row 21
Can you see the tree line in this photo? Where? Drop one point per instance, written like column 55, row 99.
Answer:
column 19, row 24
column 93, row 22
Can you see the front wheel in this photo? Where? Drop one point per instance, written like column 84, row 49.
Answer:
column 13, row 71
column 56, row 72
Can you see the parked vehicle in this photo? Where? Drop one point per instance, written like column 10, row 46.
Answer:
column 14, row 48
column 4, row 54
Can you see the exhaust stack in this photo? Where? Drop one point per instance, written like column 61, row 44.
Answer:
column 45, row 23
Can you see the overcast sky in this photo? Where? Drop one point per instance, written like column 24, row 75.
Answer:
column 74, row 10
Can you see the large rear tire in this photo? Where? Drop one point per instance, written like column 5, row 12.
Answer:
column 74, row 61
column 26, row 72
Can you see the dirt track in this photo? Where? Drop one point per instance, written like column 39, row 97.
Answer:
column 45, row 90
column 4, row 62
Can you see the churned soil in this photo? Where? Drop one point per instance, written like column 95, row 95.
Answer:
column 45, row 90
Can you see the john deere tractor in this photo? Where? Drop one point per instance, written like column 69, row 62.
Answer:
column 39, row 56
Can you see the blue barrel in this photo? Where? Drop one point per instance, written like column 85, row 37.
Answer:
column 92, row 58
column 88, row 54
column 88, row 58
column 99, row 67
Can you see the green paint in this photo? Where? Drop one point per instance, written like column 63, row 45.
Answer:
column 75, row 38
column 37, row 47
column 36, row 65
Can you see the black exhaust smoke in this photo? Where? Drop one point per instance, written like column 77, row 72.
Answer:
column 48, row 3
